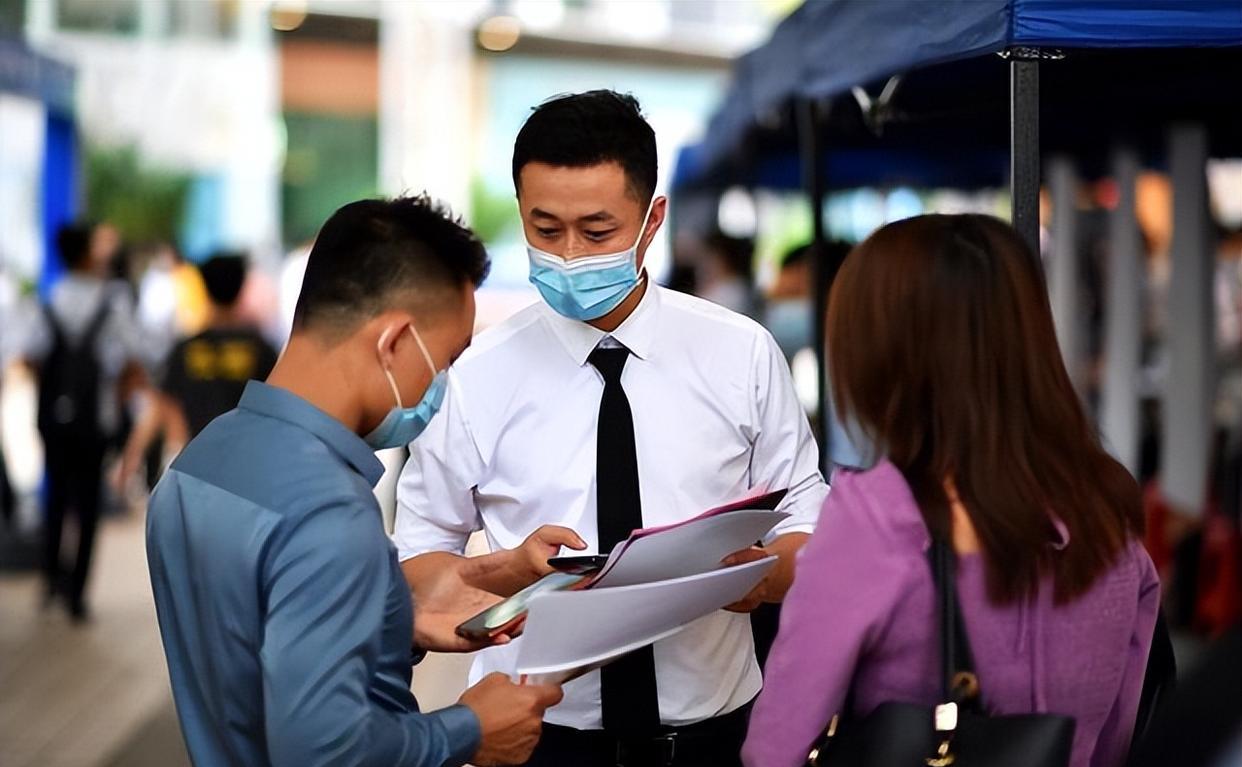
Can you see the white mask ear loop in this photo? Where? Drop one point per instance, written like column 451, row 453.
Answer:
column 379, row 348
column 646, row 220
column 426, row 354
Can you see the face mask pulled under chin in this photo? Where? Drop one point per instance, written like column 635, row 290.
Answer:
column 589, row 287
column 402, row 425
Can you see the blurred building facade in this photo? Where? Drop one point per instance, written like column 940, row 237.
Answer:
column 274, row 112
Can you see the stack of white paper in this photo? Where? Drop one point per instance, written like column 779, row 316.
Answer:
column 654, row 584
column 568, row 631
column 690, row 548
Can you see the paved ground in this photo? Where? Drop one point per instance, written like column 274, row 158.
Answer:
column 73, row 695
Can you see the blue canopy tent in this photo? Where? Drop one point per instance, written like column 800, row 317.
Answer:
column 891, row 81
column 781, row 168
column 828, row 47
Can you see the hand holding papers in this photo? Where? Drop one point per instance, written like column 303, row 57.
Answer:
column 571, row 631
column 653, row 584
column 693, row 547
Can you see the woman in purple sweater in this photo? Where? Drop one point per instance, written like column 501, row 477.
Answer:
column 945, row 362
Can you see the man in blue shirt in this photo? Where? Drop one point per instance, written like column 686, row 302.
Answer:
column 288, row 626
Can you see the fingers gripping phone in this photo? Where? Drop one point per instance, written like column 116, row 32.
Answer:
column 579, row 565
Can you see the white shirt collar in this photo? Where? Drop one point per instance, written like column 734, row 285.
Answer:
column 637, row 333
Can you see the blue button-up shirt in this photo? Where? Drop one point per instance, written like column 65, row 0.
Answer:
column 286, row 621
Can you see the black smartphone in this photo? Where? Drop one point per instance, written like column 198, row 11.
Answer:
column 579, row 565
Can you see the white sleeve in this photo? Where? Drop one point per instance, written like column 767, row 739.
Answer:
column 435, row 494
column 125, row 330
column 34, row 337
column 783, row 450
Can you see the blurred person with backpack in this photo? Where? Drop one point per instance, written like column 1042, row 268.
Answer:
column 84, row 349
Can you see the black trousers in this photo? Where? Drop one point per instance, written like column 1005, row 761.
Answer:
column 713, row 743
column 74, row 484
column 8, row 501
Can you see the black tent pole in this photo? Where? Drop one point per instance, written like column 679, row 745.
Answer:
column 810, row 146
column 1024, row 142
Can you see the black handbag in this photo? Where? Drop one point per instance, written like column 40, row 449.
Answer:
column 956, row 732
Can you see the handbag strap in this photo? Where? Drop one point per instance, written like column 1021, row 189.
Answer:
column 959, row 682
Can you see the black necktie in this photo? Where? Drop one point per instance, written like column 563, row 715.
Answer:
column 628, row 685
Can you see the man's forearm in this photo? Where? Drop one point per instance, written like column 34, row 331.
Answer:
column 499, row 572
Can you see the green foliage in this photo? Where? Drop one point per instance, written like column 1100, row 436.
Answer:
column 492, row 214
column 142, row 202
column 330, row 160
column 788, row 227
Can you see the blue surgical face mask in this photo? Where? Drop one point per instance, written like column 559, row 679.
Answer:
column 790, row 322
column 586, row 288
column 402, row 425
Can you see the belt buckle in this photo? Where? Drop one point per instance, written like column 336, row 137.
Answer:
column 664, row 747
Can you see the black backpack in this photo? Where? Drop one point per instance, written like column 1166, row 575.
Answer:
column 69, row 381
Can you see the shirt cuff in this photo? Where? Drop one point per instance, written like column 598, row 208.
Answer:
column 464, row 733
column 804, row 511
column 795, row 527
column 427, row 540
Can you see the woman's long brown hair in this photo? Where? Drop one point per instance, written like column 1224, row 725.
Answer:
column 942, row 349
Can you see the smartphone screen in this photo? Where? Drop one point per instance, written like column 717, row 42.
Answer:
column 499, row 618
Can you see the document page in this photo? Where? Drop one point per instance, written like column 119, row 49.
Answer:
column 687, row 549
column 568, row 630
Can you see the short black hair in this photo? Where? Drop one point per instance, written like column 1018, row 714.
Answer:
column 579, row 130
column 737, row 253
column 73, row 242
column 370, row 251
column 834, row 250
column 799, row 255
column 223, row 275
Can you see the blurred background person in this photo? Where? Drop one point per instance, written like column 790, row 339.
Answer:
column 787, row 308
column 974, row 436
column 788, row 312
column 85, row 350
column 258, row 303
column 172, row 299
column 725, row 274
column 204, row 375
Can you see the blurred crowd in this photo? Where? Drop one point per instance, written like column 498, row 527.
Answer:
column 132, row 352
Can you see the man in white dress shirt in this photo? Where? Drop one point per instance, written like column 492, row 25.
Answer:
column 613, row 404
